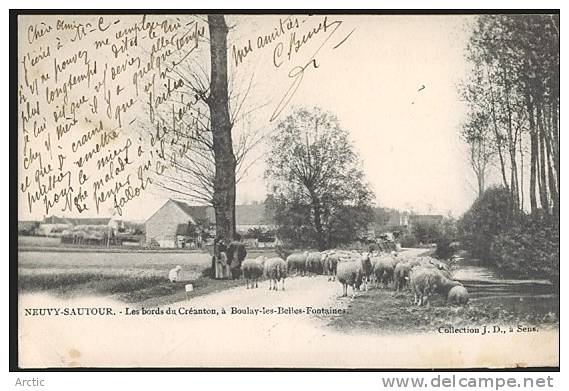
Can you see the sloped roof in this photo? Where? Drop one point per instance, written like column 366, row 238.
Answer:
column 191, row 211
column 244, row 214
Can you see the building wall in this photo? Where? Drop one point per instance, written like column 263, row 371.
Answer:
column 162, row 225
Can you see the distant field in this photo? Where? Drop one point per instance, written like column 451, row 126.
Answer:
column 130, row 277
column 38, row 241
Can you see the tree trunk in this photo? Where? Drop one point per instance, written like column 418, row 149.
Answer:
column 514, row 194
column 316, row 208
column 480, row 178
column 533, row 152
column 553, row 170
column 497, row 134
column 218, row 102
column 543, row 196
column 555, row 134
column 521, row 172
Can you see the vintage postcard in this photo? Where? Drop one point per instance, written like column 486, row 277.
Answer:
column 287, row 190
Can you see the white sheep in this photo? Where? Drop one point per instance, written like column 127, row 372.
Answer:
column 174, row 274
column 330, row 265
column 275, row 269
column 253, row 270
column 425, row 280
column 401, row 275
column 367, row 268
column 314, row 263
column 382, row 269
column 297, row 262
column 353, row 273
column 458, row 295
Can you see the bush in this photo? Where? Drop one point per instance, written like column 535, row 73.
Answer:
column 489, row 216
column 517, row 244
column 408, row 239
column 426, row 233
column 444, row 249
column 529, row 249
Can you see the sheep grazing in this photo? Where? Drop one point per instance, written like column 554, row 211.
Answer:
column 297, row 262
column 445, row 283
column 382, row 270
column 458, row 295
column 314, row 263
column 401, row 275
column 395, row 260
column 275, row 269
column 330, row 265
column 429, row 263
column 427, row 279
column 423, row 282
column 353, row 273
column 446, row 274
column 174, row 274
column 415, row 262
column 252, row 270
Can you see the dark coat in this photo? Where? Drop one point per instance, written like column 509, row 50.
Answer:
column 236, row 253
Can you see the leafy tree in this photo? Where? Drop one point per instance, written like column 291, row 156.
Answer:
column 318, row 184
column 489, row 216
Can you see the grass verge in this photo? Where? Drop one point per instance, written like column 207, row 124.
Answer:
column 390, row 311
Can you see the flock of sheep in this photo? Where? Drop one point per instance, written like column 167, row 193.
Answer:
column 424, row 275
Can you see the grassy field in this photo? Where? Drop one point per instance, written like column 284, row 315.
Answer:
column 128, row 277
column 390, row 311
column 38, row 241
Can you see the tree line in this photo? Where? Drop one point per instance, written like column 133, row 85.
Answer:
column 512, row 94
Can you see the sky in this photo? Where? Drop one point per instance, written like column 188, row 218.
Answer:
column 407, row 139
column 392, row 83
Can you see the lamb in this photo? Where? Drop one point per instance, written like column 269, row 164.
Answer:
column 314, row 263
column 353, row 273
column 297, row 262
column 275, row 269
column 174, row 274
column 330, row 265
column 458, row 295
column 401, row 275
column 382, row 270
column 253, row 270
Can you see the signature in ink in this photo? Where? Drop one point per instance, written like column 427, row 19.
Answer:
column 297, row 73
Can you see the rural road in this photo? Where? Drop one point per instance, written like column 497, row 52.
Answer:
column 244, row 339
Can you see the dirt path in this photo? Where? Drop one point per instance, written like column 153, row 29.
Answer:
column 251, row 337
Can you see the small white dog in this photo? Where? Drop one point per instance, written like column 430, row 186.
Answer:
column 174, row 274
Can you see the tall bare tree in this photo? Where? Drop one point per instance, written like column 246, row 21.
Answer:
column 211, row 140
column 515, row 76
